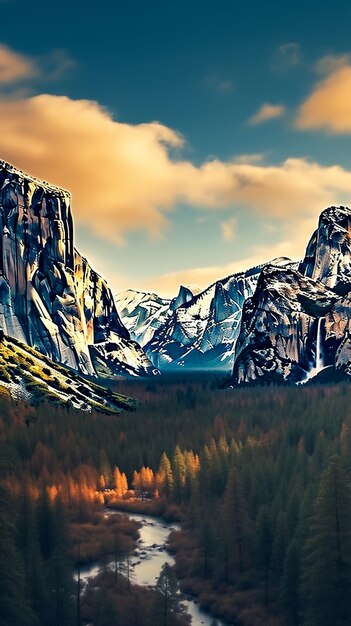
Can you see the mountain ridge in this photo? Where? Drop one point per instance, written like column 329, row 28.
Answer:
column 50, row 296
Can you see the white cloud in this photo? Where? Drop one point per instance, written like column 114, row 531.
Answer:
column 286, row 57
column 218, row 83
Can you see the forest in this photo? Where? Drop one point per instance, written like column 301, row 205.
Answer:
column 259, row 479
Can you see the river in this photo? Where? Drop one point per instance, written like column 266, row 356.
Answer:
column 149, row 557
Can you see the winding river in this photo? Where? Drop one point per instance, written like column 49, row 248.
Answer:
column 149, row 557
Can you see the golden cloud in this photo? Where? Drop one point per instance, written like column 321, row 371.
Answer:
column 329, row 104
column 228, row 229
column 266, row 112
column 125, row 177
column 14, row 66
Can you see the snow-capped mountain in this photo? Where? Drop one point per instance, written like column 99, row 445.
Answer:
column 299, row 322
column 142, row 313
column 50, row 297
column 197, row 331
column 279, row 327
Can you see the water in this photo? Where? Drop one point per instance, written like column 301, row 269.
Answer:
column 149, row 557
column 319, row 353
column 319, row 362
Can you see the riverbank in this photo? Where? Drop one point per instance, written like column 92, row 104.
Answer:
column 98, row 537
column 149, row 557
column 155, row 507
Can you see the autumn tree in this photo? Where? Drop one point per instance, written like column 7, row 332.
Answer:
column 164, row 476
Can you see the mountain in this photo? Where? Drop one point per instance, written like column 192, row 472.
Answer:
column 27, row 374
column 279, row 327
column 50, row 297
column 142, row 313
column 193, row 330
column 299, row 322
column 328, row 254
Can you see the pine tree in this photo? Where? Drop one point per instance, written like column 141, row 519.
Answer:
column 236, row 528
column 290, row 584
column 14, row 605
column 167, row 586
column 263, row 548
column 207, row 544
column 327, row 560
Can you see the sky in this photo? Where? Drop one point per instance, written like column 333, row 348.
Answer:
column 197, row 138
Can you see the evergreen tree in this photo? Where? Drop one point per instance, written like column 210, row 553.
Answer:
column 14, row 605
column 167, row 586
column 290, row 584
column 207, row 545
column 327, row 560
column 263, row 548
column 236, row 528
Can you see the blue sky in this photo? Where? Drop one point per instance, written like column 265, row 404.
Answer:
column 196, row 137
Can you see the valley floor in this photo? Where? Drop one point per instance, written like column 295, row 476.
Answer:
column 258, row 478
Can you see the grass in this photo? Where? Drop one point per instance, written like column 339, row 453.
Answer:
column 46, row 380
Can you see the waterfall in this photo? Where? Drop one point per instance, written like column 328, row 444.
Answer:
column 319, row 349
column 319, row 356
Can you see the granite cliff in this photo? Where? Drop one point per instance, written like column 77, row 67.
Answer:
column 298, row 323
column 50, row 297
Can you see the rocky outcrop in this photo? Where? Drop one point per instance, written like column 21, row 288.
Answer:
column 50, row 297
column 328, row 254
column 280, row 326
column 142, row 313
column 298, row 323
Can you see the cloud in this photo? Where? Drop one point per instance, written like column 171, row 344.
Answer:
column 265, row 113
column 328, row 106
column 331, row 62
column 286, row 57
column 228, row 229
column 254, row 157
column 217, row 83
column 15, row 67
column 127, row 178
column 56, row 64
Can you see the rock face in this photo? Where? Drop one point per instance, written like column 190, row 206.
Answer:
column 279, row 327
column 50, row 297
column 200, row 332
column 299, row 322
column 142, row 313
column 328, row 254
column 195, row 331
